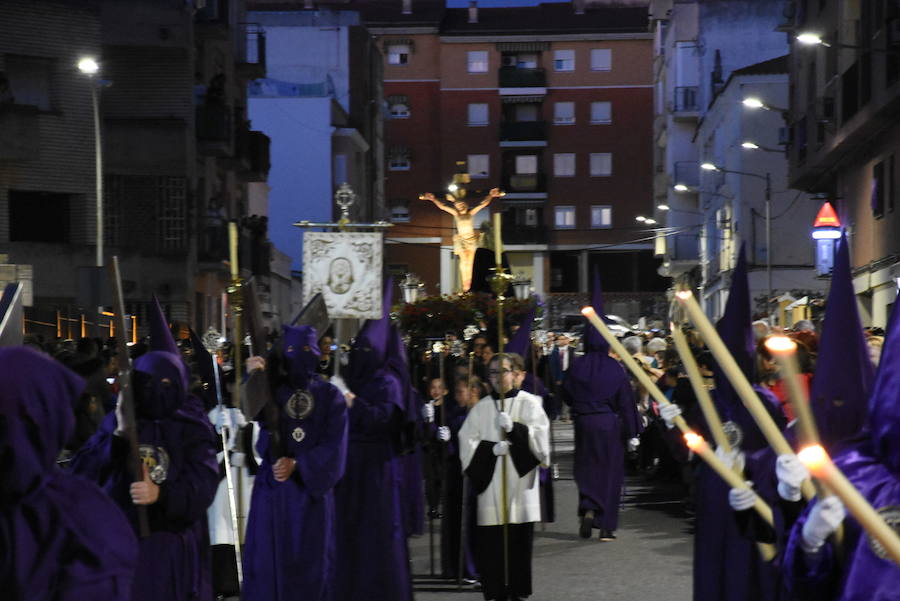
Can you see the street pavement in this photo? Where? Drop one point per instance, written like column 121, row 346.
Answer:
column 650, row 560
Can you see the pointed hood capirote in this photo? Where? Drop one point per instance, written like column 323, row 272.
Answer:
column 844, row 372
column 520, row 342
column 736, row 330
column 161, row 338
column 369, row 350
column 301, row 353
column 37, row 396
column 884, row 404
column 593, row 341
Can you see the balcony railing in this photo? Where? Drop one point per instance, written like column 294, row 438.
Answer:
column 513, row 77
column 19, row 132
column 686, row 99
column 523, row 130
column 524, row 234
column 533, row 182
column 252, row 51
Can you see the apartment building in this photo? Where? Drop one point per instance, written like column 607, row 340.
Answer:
column 178, row 153
column 550, row 103
column 844, row 100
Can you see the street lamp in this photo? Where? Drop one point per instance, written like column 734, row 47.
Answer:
column 411, row 287
column 749, row 145
column 521, row 287
column 768, row 216
column 89, row 66
column 808, row 38
column 754, row 103
column 640, row 218
column 811, row 38
column 662, row 207
column 681, row 188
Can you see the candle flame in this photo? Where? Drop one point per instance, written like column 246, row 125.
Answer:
column 813, row 457
column 693, row 440
column 781, row 344
column 683, row 294
column 586, row 311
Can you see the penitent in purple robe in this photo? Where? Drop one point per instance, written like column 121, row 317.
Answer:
column 605, row 416
column 373, row 558
column 872, row 464
column 290, row 549
column 178, row 447
column 727, row 564
column 61, row 537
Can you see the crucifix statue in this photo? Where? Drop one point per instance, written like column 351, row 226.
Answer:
column 466, row 240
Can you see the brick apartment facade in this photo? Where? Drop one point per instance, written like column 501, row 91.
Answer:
column 554, row 105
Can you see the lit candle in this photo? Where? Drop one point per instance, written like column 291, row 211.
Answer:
column 706, row 403
column 696, row 443
column 785, row 352
column 734, row 374
column 498, row 241
column 233, row 248
column 819, row 464
column 631, row 363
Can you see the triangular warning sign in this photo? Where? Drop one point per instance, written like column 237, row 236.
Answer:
column 827, row 217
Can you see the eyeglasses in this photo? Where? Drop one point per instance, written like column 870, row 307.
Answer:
column 494, row 372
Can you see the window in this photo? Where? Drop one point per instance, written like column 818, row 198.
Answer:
column 398, row 54
column 171, row 215
column 564, row 164
column 601, row 216
column 478, row 61
column 478, row 165
column 478, row 114
column 29, row 80
column 526, row 164
column 601, row 112
column 564, row 60
column 399, row 210
column 564, row 113
column 399, row 111
column 527, row 112
column 601, row 163
column 399, row 159
column 564, row 217
column 601, row 59
column 28, row 213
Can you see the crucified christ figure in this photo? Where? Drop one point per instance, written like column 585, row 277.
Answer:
column 465, row 241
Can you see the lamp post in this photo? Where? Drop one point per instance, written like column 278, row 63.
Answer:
column 411, row 287
column 521, row 287
column 768, row 215
column 90, row 67
column 811, row 38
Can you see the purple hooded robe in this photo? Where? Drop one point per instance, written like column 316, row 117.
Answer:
column 605, row 416
column 61, row 537
column 290, row 547
column 373, row 558
column 179, row 449
column 872, row 464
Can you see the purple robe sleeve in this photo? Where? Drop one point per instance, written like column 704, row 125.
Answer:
column 103, row 459
column 376, row 413
column 809, row 576
column 186, row 497
column 321, row 466
column 624, row 405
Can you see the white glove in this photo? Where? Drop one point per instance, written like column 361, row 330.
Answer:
column 120, row 417
column 669, row 413
column 443, row 433
column 504, row 422
column 633, row 444
column 733, row 459
column 741, row 499
column 339, row 383
column 428, row 412
column 791, row 474
column 222, row 420
column 824, row 518
column 238, row 459
column 501, row 448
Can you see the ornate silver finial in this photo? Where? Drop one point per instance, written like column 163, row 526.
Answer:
column 344, row 197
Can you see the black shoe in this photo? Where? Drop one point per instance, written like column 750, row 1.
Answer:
column 587, row 523
column 607, row 535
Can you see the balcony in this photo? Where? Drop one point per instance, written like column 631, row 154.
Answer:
column 514, row 131
column 251, row 62
column 214, row 129
column 532, row 182
column 525, row 234
column 513, row 77
column 686, row 103
column 19, row 133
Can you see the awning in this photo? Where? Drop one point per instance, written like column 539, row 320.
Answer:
column 399, row 42
column 521, row 99
column 398, row 99
column 399, row 152
column 523, row 46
